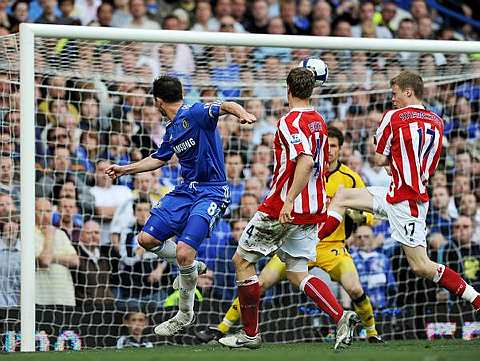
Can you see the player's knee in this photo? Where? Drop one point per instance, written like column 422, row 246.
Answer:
column 146, row 241
column 355, row 291
column 239, row 262
column 420, row 269
column 295, row 278
column 185, row 254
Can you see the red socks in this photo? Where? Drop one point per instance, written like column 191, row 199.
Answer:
column 318, row 292
column 452, row 281
column 330, row 225
column 249, row 297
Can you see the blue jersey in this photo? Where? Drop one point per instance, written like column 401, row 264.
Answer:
column 193, row 137
column 375, row 272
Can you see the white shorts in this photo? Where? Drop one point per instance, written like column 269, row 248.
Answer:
column 406, row 229
column 263, row 236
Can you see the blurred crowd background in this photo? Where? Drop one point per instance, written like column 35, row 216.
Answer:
column 94, row 108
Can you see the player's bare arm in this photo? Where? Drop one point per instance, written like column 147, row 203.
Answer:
column 144, row 165
column 236, row 109
column 303, row 171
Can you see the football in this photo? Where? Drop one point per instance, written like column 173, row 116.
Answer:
column 318, row 67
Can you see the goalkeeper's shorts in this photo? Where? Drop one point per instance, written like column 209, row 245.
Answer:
column 333, row 258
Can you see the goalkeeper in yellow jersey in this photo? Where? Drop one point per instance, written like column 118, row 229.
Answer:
column 332, row 254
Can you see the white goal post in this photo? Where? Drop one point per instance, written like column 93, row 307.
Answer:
column 28, row 33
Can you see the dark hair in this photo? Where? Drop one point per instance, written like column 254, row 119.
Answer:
column 300, row 82
column 143, row 198
column 407, row 79
column 168, row 88
column 334, row 132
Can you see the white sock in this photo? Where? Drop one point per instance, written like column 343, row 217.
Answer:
column 167, row 251
column 187, row 286
column 469, row 294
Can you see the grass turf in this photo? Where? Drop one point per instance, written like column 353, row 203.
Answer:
column 441, row 350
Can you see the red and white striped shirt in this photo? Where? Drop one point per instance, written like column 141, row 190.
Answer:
column 411, row 138
column 300, row 131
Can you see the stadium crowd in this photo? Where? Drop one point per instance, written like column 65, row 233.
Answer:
column 100, row 113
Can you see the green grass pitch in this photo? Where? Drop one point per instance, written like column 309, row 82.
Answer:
column 441, row 350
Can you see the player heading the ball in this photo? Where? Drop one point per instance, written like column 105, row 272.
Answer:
column 286, row 221
column 191, row 210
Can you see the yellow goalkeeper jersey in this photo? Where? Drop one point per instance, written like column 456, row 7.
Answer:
column 343, row 175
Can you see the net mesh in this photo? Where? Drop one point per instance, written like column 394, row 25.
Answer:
column 93, row 107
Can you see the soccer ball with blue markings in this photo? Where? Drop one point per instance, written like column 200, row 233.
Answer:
column 318, row 67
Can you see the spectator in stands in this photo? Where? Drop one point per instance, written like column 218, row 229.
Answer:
column 108, row 197
column 8, row 210
column 89, row 115
column 424, row 28
column 67, row 8
column 248, row 206
column 263, row 154
column 291, row 22
column 139, row 19
column 97, row 266
column 239, row 10
column 224, row 8
column 121, row 14
column 141, row 273
column 254, row 186
column 342, row 27
column 374, row 269
column 57, row 172
column 8, row 184
column 10, row 264
column 87, row 151
column 321, row 27
column 461, row 184
column 9, row 145
column 259, row 21
column 56, row 89
column 86, row 10
column 463, row 255
column 418, row 9
column 104, row 15
column 203, row 17
column 48, row 15
column 367, row 11
column 464, row 119
column 234, row 169
column 136, row 322
column 262, row 172
column 469, row 207
column 68, row 219
column 19, row 15
column 322, row 10
column 438, row 217
column 55, row 255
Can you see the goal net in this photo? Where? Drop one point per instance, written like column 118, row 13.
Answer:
column 93, row 107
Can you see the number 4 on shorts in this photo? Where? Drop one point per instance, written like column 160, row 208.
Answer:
column 249, row 231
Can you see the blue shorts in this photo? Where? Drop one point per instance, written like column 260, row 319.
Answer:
column 171, row 214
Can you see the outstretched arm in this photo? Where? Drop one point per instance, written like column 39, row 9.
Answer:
column 303, row 171
column 144, row 165
column 237, row 110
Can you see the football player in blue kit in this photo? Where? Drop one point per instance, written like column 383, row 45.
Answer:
column 190, row 211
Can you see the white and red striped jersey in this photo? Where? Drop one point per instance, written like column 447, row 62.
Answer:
column 302, row 130
column 411, row 138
